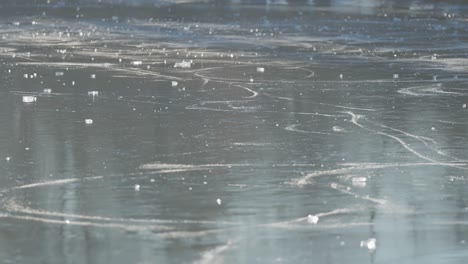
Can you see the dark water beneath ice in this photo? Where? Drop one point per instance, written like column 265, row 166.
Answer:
column 291, row 134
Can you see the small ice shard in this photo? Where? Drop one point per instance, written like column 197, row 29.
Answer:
column 136, row 187
column 312, row 219
column 464, row 106
column 93, row 76
column 251, row 80
column 395, row 76
column 338, row 129
column 359, row 181
column 260, row 69
column 218, row 201
column 136, row 63
column 26, row 75
column 341, row 76
column 183, row 64
column 433, row 128
column 47, row 91
column 59, row 74
column 88, row 121
column 67, row 221
column 29, row 99
column 8, row 158
column 370, row 244
column 93, row 93
column 174, row 83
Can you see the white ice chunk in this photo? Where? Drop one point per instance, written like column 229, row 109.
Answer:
column 29, row 99
column 59, row 74
column 93, row 76
column 93, row 93
column 338, row 129
column 260, row 69
column 312, row 219
column 464, row 105
column 183, row 64
column 47, row 91
column 370, row 244
column 218, row 201
column 359, row 181
column 88, row 121
column 136, row 63
column 395, row 76
column 136, row 187
column 174, row 83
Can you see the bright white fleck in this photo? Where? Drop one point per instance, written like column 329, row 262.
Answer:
column 93, row 93
column 218, row 201
column 370, row 244
column 174, row 83
column 433, row 128
column 260, row 69
column 338, row 129
column 136, row 187
column 8, row 158
column 93, row 76
column 47, row 91
column 183, row 64
column 341, row 76
column 29, row 99
column 464, row 106
column 251, row 80
column 136, row 63
column 67, row 221
column 395, row 76
column 312, row 219
column 59, row 74
column 359, row 181
column 88, row 121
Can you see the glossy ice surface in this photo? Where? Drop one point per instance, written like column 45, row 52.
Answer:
column 234, row 132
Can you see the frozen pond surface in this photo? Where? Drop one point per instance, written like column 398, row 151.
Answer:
column 234, row 133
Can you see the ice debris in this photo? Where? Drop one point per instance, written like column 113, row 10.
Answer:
column 29, row 99
column 183, row 64
column 312, row 219
column 370, row 244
